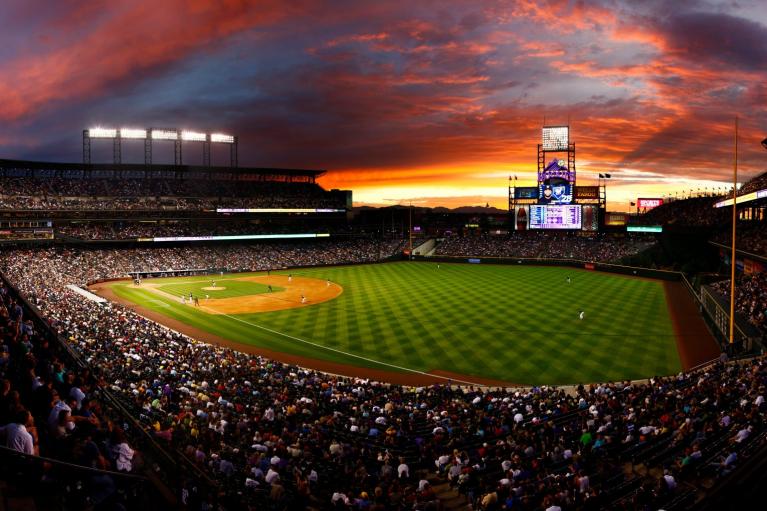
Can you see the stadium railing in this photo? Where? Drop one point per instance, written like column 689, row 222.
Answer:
column 744, row 334
column 718, row 329
column 166, row 464
column 738, row 251
column 68, row 485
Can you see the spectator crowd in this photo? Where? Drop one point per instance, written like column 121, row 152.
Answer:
column 80, row 266
column 57, row 193
column 283, row 437
column 126, row 230
column 51, row 407
column 754, row 184
column 601, row 248
column 751, row 237
column 750, row 297
column 696, row 211
column 700, row 210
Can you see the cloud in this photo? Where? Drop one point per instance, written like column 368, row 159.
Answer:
column 129, row 42
column 717, row 39
column 425, row 99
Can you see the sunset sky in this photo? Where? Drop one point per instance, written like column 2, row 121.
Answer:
column 434, row 102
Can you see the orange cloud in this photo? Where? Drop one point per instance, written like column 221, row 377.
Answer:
column 132, row 40
column 398, row 100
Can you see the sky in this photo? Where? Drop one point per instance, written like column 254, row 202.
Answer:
column 434, row 103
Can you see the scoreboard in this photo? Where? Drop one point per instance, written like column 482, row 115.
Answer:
column 555, row 216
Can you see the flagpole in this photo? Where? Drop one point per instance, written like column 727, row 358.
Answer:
column 734, row 221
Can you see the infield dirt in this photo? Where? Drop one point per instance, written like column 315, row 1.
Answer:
column 314, row 290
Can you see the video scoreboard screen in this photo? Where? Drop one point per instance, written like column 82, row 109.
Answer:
column 555, row 216
column 590, row 217
column 526, row 192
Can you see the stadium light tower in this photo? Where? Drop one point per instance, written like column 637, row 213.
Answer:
column 149, row 135
column 220, row 138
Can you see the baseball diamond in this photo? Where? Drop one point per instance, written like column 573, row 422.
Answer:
column 473, row 322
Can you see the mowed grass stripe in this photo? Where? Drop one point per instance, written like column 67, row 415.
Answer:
column 515, row 323
column 233, row 330
column 231, row 288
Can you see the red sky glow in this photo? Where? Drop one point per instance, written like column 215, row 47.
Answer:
column 434, row 102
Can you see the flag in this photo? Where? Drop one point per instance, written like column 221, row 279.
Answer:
column 607, row 176
column 633, row 203
column 515, row 177
column 601, row 176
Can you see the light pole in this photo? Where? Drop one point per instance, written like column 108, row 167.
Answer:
column 734, row 221
column 605, row 177
column 410, row 229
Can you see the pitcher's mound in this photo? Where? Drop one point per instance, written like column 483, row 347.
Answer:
column 315, row 290
column 212, row 288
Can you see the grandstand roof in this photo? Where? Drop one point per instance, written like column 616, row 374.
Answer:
column 133, row 167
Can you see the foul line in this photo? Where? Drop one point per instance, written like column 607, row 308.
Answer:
column 353, row 355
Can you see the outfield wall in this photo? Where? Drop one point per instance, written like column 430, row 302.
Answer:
column 212, row 271
column 573, row 263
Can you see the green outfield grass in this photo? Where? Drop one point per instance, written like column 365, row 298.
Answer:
column 231, row 287
column 514, row 323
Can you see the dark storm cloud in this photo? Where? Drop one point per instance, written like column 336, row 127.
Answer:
column 717, row 39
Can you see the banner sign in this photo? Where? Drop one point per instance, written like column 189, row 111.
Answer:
column 649, row 203
column 644, row 228
column 616, row 218
column 586, row 192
